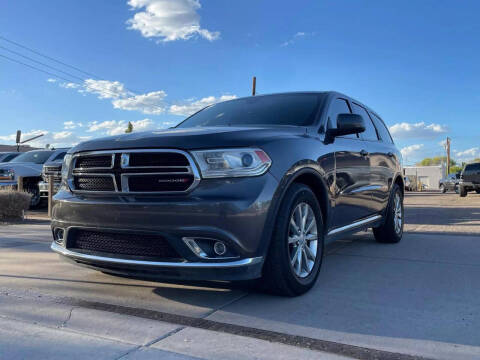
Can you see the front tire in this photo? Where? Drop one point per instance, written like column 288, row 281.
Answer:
column 296, row 250
column 477, row 191
column 443, row 189
column 392, row 229
column 463, row 191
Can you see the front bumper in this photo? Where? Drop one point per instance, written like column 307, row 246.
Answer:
column 469, row 185
column 43, row 188
column 8, row 184
column 234, row 211
column 243, row 269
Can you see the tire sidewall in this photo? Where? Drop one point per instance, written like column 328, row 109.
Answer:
column 302, row 194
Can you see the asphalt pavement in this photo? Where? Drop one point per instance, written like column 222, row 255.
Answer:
column 416, row 299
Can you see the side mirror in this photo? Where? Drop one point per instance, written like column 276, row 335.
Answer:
column 347, row 124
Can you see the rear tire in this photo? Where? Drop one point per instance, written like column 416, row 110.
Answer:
column 392, row 229
column 443, row 189
column 456, row 189
column 477, row 191
column 284, row 272
column 462, row 191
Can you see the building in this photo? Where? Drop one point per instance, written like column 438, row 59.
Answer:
column 426, row 175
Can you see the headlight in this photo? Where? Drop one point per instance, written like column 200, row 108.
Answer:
column 232, row 162
column 66, row 169
column 8, row 174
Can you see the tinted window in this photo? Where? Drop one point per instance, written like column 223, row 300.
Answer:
column 381, row 128
column 282, row 109
column 338, row 106
column 59, row 156
column 370, row 133
column 10, row 157
column 472, row 167
column 37, row 157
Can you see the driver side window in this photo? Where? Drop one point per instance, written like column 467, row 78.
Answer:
column 338, row 106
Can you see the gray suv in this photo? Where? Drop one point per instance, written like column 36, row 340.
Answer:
column 248, row 188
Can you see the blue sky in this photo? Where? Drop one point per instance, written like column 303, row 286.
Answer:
column 155, row 61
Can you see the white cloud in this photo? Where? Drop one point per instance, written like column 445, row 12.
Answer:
column 69, row 85
column 69, row 125
column 468, row 154
column 150, row 103
column 411, row 150
column 295, row 37
column 114, row 127
column 50, row 80
column 62, row 135
column 193, row 106
column 55, row 139
column 416, row 130
column 168, row 20
column 105, row 89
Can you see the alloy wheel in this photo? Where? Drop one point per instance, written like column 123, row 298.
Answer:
column 398, row 213
column 302, row 239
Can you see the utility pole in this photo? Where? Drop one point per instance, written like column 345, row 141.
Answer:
column 254, row 85
column 447, row 145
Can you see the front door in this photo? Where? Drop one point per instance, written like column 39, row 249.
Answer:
column 352, row 195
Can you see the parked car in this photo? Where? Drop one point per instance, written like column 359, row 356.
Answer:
column 247, row 188
column 408, row 183
column 470, row 179
column 7, row 156
column 52, row 168
column 28, row 165
column 450, row 183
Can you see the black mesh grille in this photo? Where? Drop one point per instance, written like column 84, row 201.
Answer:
column 145, row 183
column 100, row 161
column 158, row 159
column 135, row 245
column 56, row 171
column 52, row 169
column 94, row 183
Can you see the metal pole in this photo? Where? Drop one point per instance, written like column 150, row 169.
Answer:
column 50, row 195
column 448, row 156
column 20, row 183
column 254, row 85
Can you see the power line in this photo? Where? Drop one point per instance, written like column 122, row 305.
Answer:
column 35, row 68
column 115, row 95
column 48, row 57
column 60, row 62
column 41, row 63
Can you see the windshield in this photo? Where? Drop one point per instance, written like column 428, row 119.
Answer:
column 282, row 109
column 37, row 157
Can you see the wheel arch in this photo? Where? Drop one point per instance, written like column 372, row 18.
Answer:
column 310, row 174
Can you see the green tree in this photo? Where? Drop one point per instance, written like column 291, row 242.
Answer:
column 455, row 169
column 437, row 160
column 129, row 128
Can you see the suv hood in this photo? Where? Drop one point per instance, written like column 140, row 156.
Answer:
column 192, row 138
column 23, row 169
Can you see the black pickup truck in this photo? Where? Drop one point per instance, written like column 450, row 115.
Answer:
column 470, row 179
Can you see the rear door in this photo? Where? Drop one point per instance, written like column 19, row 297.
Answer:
column 383, row 161
column 352, row 200
column 472, row 173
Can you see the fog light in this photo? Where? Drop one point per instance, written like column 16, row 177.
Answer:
column 58, row 236
column 219, row 248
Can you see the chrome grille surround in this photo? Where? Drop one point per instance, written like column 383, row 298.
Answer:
column 120, row 175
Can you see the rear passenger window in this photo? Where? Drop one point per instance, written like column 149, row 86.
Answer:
column 472, row 168
column 338, row 106
column 381, row 128
column 370, row 133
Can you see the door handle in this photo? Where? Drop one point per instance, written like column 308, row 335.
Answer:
column 364, row 153
column 390, row 154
